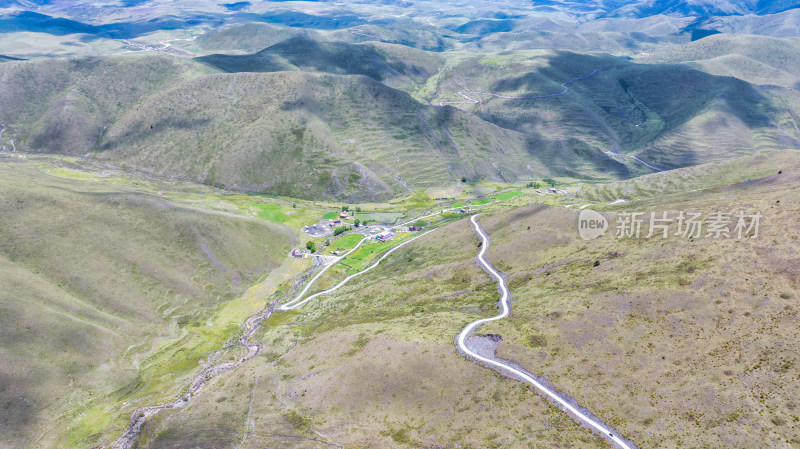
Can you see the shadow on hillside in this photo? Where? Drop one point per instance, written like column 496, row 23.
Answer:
column 143, row 127
column 310, row 55
column 634, row 105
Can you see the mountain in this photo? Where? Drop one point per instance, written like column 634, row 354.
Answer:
column 248, row 38
column 704, row 8
column 302, row 119
column 605, row 321
column 756, row 59
column 310, row 136
column 391, row 64
column 288, row 133
column 97, row 273
column 615, row 105
column 63, row 105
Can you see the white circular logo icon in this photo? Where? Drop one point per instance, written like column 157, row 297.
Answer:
column 591, row 224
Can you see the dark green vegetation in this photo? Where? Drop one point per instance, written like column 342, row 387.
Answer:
column 103, row 284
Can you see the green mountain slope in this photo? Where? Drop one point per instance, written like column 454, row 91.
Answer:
column 755, row 59
column 100, row 283
column 311, row 136
column 653, row 335
column 310, row 119
column 669, row 115
column 390, row 64
column 63, row 105
column 248, row 38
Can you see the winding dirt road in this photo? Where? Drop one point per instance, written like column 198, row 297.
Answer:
column 630, row 156
column 578, row 413
column 140, row 416
column 296, row 302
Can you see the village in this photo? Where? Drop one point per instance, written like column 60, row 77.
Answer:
column 348, row 224
column 332, row 227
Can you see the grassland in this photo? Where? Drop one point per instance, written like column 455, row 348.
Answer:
column 347, row 241
column 689, row 354
column 284, row 215
column 360, row 368
column 759, row 60
column 706, row 118
column 112, row 293
column 327, row 129
column 394, row 65
column 653, row 335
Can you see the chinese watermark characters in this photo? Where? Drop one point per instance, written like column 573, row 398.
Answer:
column 689, row 225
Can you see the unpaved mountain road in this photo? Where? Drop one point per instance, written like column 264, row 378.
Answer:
column 612, row 155
column 296, row 302
column 565, row 403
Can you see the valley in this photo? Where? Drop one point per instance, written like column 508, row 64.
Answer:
column 451, row 224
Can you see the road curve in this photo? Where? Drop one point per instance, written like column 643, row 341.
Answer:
column 608, row 433
column 296, row 302
column 630, row 156
column 293, row 304
column 564, row 85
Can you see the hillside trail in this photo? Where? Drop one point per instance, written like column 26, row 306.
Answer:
column 511, row 369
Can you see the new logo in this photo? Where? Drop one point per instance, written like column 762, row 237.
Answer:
column 591, row 224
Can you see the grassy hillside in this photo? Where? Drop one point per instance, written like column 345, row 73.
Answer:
column 375, row 366
column 676, row 342
column 310, row 136
column 102, row 282
column 387, row 63
column 248, row 38
column 656, row 338
column 288, row 133
column 64, row 105
column 755, row 59
column 625, row 108
column 312, row 119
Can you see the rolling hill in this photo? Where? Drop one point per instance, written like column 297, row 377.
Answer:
column 288, row 133
column 63, row 106
column 756, row 59
column 310, row 136
column 303, row 119
column 631, row 328
column 390, row 64
column 621, row 108
column 101, row 277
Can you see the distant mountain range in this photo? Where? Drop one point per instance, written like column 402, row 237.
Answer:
column 343, row 100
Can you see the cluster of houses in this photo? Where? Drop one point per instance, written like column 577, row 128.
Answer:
column 380, row 234
column 338, row 221
column 550, row 190
column 388, row 234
